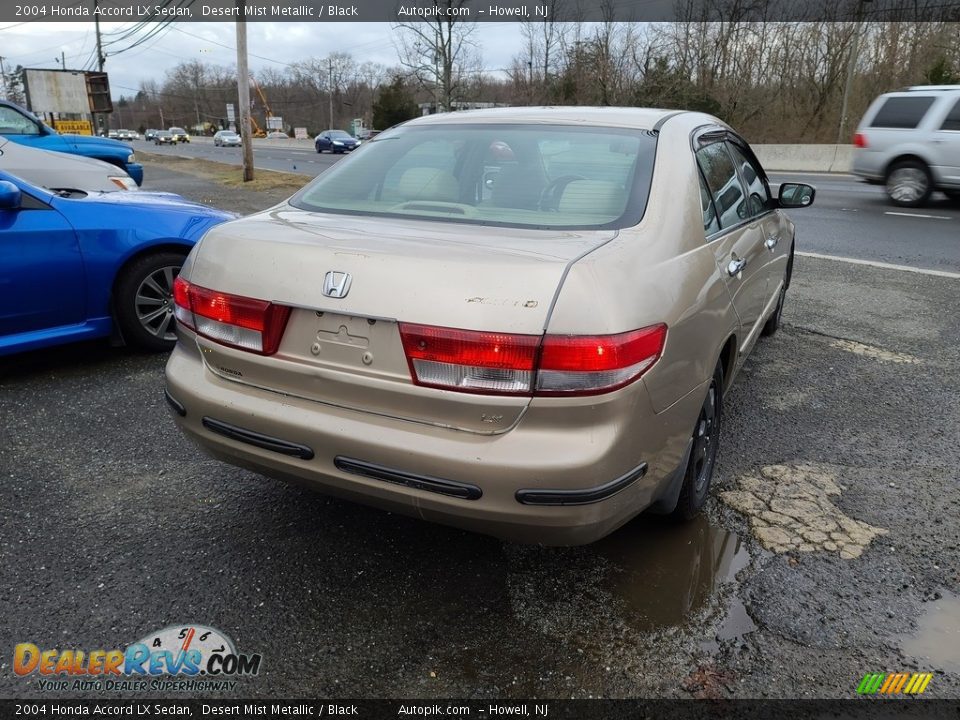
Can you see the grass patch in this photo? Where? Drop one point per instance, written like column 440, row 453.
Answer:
column 230, row 175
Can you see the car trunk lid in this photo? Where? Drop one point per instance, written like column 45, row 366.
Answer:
column 347, row 351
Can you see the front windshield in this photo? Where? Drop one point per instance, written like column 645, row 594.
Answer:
column 339, row 134
column 511, row 175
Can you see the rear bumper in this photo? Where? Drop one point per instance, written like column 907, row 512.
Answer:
column 533, row 484
column 868, row 165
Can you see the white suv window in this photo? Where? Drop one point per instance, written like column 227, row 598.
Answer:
column 903, row 113
column 952, row 121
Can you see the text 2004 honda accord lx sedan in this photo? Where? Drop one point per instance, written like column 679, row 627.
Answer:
column 517, row 321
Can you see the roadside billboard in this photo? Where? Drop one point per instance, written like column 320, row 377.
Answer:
column 56, row 91
column 67, row 92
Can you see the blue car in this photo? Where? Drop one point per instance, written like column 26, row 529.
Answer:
column 22, row 126
column 336, row 141
column 75, row 266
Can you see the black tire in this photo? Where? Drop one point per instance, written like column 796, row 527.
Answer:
column 143, row 301
column 773, row 323
column 319, row 150
column 909, row 183
column 703, row 455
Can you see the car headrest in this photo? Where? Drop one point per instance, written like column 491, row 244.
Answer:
column 426, row 183
column 593, row 197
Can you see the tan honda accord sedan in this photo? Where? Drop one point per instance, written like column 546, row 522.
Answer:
column 518, row 321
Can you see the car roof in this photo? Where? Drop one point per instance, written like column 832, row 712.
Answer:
column 639, row 118
column 941, row 90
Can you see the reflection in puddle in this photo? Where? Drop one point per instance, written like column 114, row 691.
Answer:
column 666, row 571
column 937, row 640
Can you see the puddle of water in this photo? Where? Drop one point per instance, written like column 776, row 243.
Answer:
column 937, row 639
column 665, row 572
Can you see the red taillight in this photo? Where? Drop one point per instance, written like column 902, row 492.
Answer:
column 470, row 361
column 507, row 364
column 241, row 322
column 860, row 140
column 584, row 364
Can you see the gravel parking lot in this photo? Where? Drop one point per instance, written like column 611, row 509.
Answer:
column 829, row 550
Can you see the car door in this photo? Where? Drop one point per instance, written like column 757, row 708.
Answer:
column 762, row 211
column 736, row 237
column 42, row 279
column 946, row 143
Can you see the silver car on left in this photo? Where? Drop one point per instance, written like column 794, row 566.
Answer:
column 59, row 171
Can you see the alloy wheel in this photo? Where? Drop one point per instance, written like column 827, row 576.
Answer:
column 704, row 450
column 907, row 184
column 154, row 302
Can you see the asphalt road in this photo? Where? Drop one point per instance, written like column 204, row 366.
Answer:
column 849, row 218
column 114, row 526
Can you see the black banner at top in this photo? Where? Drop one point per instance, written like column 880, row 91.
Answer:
column 531, row 709
column 307, row 11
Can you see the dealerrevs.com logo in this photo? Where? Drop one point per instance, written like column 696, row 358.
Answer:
column 177, row 658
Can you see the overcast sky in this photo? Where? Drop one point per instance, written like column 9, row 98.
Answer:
column 39, row 44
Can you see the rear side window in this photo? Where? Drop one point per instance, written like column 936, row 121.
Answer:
column 710, row 222
column 952, row 121
column 902, row 112
column 724, row 184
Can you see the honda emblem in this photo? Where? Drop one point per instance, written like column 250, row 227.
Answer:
column 336, row 284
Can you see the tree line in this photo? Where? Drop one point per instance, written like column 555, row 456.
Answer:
column 773, row 81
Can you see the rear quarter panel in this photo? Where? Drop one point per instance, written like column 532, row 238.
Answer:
column 661, row 271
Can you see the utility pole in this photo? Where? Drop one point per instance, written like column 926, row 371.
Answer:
column 3, row 79
column 63, row 60
column 243, row 90
column 330, row 87
column 100, row 61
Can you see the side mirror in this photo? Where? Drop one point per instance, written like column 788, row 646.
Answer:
column 796, row 195
column 9, row 195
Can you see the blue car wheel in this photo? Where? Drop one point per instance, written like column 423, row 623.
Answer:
column 143, row 303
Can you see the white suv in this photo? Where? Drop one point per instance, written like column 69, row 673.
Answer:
column 910, row 140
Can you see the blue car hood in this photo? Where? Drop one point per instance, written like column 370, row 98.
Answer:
column 148, row 200
column 97, row 142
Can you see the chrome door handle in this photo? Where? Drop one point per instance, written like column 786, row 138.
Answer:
column 771, row 242
column 735, row 267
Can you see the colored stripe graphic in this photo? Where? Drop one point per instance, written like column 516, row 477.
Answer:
column 894, row 683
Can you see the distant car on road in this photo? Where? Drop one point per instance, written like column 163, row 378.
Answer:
column 164, row 137
column 519, row 321
column 277, row 135
column 60, row 171
column 148, row 135
column 22, row 126
column 335, row 141
column 910, row 140
column 179, row 135
column 227, row 138
column 113, row 134
column 75, row 266
column 124, row 134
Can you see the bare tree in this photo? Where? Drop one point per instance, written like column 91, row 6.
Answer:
column 439, row 51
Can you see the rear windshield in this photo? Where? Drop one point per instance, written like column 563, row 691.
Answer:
column 902, row 112
column 539, row 176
